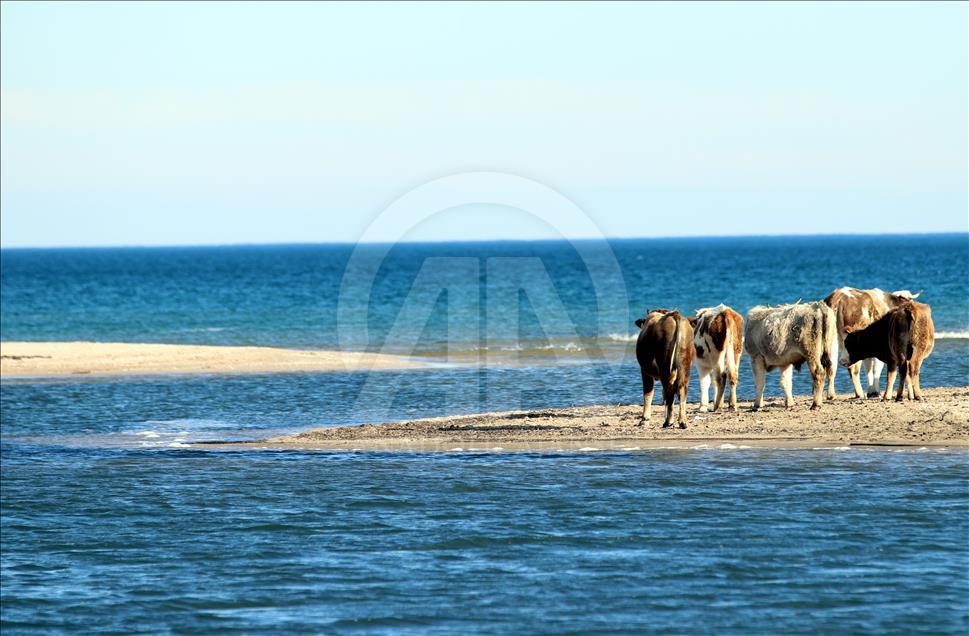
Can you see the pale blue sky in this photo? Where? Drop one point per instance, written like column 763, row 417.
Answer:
column 160, row 123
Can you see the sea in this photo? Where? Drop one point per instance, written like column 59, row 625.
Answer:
column 111, row 521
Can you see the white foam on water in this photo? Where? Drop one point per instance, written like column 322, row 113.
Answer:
column 623, row 337
column 568, row 346
column 700, row 446
column 727, row 446
column 588, row 448
column 458, row 448
column 178, row 445
column 952, row 335
column 186, row 425
column 497, row 448
column 148, row 434
column 630, row 448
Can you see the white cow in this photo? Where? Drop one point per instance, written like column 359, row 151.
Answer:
column 786, row 337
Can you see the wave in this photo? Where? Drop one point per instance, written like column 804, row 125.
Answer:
column 623, row 337
column 952, row 335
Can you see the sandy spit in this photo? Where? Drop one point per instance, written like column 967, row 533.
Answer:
column 49, row 359
column 941, row 420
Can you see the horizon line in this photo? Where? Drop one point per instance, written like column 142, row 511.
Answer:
column 479, row 241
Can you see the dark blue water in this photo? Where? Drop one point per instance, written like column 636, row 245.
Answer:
column 111, row 523
column 664, row 541
column 288, row 295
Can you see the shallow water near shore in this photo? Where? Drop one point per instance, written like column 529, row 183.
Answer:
column 716, row 540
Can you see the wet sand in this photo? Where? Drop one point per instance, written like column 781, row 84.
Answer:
column 51, row 359
column 941, row 420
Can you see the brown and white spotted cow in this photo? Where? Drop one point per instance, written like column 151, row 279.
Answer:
column 903, row 338
column 664, row 351
column 718, row 337
column 856, row 309
column 786, row 337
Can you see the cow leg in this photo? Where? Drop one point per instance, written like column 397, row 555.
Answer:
column 902, row 377
column 720, row 387
column 831, row 373
column 732, row 374
column 669, row 394
column 915, row 379
column 647, row 397
column 817, row 382
column 684, row 384
column 889, row 380
column 787, row 379
column 759, row 365
column 704, row 390
column 855, row 372
column 873, row 368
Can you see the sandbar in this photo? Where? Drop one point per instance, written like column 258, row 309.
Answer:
column 941, row 420
column 55, row 359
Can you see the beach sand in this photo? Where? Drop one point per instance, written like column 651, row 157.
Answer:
column 44, row 359
column 941, row 420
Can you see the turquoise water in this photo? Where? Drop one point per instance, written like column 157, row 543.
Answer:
column 111, row 523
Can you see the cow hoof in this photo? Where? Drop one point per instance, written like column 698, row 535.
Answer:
column 705, row 409
column 667, row 424
column 733, row 408
column 899, row 399
column 815, row 407
column 873, row 394
column 682, row 425
column 919, row 398
column 642, row 421
column 831, row 398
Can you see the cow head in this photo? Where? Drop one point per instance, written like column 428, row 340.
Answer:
column 849, row 343
column 844, row 356
column 904, row 294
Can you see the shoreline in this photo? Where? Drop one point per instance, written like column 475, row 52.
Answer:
column 940, row 421
column 73, row 359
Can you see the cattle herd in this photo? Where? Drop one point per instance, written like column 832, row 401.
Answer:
column 861, row 329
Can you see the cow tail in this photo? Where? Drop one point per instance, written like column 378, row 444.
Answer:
column 728, row 346
column 674, row 368
column 909, row 331
column 827, row 337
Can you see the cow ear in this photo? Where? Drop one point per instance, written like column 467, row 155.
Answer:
column 692, row 320
column 639, row 322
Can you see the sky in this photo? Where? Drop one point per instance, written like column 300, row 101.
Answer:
column 219, row 123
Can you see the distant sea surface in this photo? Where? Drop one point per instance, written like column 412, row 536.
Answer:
column 111, row 523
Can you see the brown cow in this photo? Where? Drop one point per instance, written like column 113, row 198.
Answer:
column 856, row 309
column 903, row 338
column 664, row 351
column 718, row 336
